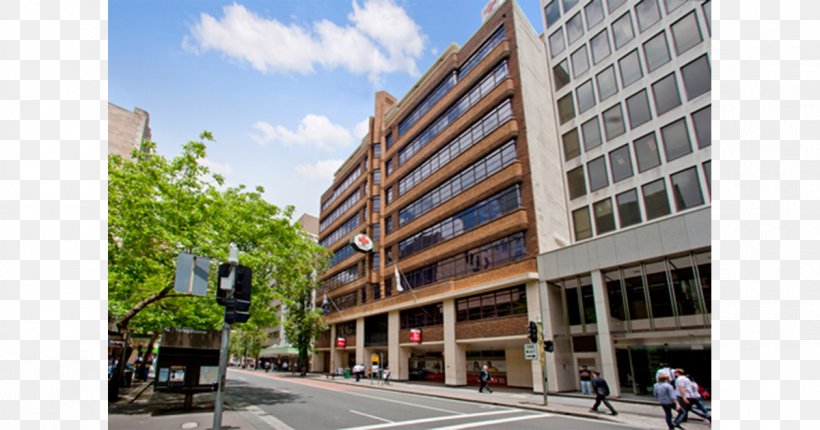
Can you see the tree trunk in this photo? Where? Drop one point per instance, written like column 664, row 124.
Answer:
column 147, row 353
column 122, row 324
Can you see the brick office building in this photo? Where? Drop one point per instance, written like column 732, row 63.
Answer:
column 460, row 186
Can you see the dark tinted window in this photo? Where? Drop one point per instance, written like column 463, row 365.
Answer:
column 646, row 152
column 666, row 94
column 697, row 78
column 686, row 189
column 620, row 163
column 628, row 210
column 676, row 140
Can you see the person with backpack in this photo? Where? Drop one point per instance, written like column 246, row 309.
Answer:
column 668, row 400
column 601, row 390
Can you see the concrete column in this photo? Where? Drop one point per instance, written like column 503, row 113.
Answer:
column 550, row 318
column 394, row 359
column 334, row 355
column 316, row 362
column 606, row 347
column 455, row 355
column 534, row 308
column 360, row 355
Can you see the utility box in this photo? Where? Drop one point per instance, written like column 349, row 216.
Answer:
column 188, row 362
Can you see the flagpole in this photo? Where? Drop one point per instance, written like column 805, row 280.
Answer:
column 415, row 299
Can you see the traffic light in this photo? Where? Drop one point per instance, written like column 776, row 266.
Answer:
column 223, row 272
column 533, row 332
column 238, row 308
column 549, row 346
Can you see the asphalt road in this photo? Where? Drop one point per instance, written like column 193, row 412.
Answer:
column 284, row 402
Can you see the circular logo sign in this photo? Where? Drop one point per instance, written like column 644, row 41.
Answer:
column 362, row 243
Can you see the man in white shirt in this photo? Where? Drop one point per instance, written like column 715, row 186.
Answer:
column 687, row 393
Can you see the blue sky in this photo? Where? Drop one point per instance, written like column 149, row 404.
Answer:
column 285, row 86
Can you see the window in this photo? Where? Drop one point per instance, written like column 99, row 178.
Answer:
column 622, row 31
column 702, row 120
column 571, row 147
column 374, row 261
column 620, row 163
column 604, row 218
column 560, row 74
column 592, row 133
column 615, row 295
column 647, row 13
column 569, row 4
column 580, row 62
column 388, row 224
column 630, row 66
column 646, row 151
column 388, row 195
column 614, row 122
column 628, row 210
column 566, row 111
column 684, row 286
column 587, row 305
column 666, row 94
column 594, row 12
column 575, row 28
column 376, row 232
column 596, row 170
column 600, row 47
column 672, row 5
column 707, row 171
column 377, row 204
column 638, row 108
column 501, row 303
column 707, row 12
column 388, row 140
column 686, row 33
column 586, row 96
column 557, row 42
column 388, row 166
column 581, row 223
column 573, row 304
column 676, row 140
column 607, row 85
column 635, row 297
column 575, row 179
column 656, row 51
column 614, row 4
column 377, row 176
column 658, row 287
column 697, row 78
column 654, row 199
column 377, row 150
column 686, row 189
column 553, row 12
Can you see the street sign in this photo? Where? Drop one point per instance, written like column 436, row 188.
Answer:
column 531, row 351
column 192, row 274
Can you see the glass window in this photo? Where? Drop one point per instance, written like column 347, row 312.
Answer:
column 604, row 218
column 707, row 171
column 614, row 122
column 672, row 5
column 630, row 66
column 615, row 295
column 596, row 170
column 686, row 189
column 638, row 108
column 658, row 290
column 581, row 222
column 569, row 4
column 377, row 176
column 676, row 140
column 622, row 31
column 377, row 204
column 553, row 12
column 566, row 110
column 587, row 300
column 560, row 74
column 620, row 163
column 388, row 224
column 704, row 263
column 684, row 286
column 707, row 12
column 614, row 4
column 573, row 305
column 607, row 85
column 594, row 11
column 586, row 96
column 646, row 151
column 697, row 77
column 575, row 28
column 575, row 179
column 600, row 47
column 592, row 133
column 635, row 297
column 580, row 62
column 647, row 13
column 686, row 33
column 702, row 120
column 628, row 210
column 377, row 150
column 557, row 42
column 666, row 94
column 571, row 147
column 656, row 51
column 655, row 201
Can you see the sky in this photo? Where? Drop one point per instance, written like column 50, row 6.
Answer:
column 286, row 87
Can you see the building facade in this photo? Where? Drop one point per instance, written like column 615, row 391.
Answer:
column 126, row 129
column 631, row 86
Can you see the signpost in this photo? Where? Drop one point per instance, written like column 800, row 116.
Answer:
column 192, row 274
column 531, row 351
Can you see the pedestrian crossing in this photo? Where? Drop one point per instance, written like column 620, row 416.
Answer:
column 460, row 421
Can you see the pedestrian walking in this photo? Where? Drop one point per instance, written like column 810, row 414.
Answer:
column 698, row 402
column 601, row 390
column 358, row 369
column 668, row 400
column 687, row 392
column 484, row 378
column 586, row 380
column 665, row 370
column 386, row 375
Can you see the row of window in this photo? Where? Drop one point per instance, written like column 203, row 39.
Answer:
column 345, row 301
column 468, row 219
column 343, row 230
column 342, row 187
column 422, row 316
column 594, row 11
column 481, row 89
column 496, row 304
column 483, row 127
column 676, row 144
column 686, row 192
column 339, row 211
column 460, row 182
column 342, row 278
column 342, row 254
column 506, row 250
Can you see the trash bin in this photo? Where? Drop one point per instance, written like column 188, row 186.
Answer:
column 347, row 373
column 127, row 378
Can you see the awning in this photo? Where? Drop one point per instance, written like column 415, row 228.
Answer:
column 273, row 351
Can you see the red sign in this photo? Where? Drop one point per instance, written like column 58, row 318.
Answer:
column 361, row 243
column 340, row 342
column 415, row 335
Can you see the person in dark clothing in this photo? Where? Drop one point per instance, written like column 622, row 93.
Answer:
column 601, row 390
column 485, row 379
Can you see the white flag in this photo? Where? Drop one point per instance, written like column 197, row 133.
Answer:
column 398, row 279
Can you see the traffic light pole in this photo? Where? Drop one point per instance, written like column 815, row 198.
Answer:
column 543, row 358
column 233, row 258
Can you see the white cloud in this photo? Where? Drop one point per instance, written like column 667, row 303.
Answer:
column 219, row 168
column 314, row 130
column 361, row 129
column 382, row 39
column 321, row 170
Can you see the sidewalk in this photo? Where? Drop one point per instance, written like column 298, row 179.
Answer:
column 632, row 412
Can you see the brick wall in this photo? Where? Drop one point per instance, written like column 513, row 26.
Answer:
column 506, row 326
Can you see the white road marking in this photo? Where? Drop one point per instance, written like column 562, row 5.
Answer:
column 348, row 393
column 487, row 423
column 370, row 416
column 432, row 420
column 268, row 418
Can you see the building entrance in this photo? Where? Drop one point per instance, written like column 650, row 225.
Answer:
column 426, row 366
column 637, row 365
